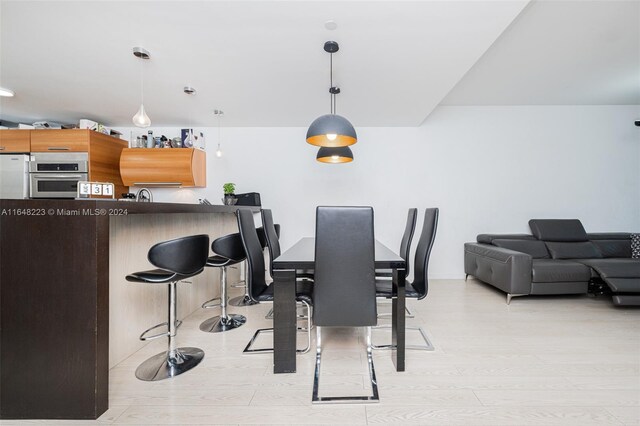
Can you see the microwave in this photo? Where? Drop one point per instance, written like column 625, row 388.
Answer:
column 56, row 174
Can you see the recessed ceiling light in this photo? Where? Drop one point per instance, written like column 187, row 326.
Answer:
column 6, row 92
column 330, row 25
column 189, row 90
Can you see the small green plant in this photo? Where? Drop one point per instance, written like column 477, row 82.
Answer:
column 229, row 188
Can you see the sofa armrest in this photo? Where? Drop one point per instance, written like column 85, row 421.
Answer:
column 508, row 270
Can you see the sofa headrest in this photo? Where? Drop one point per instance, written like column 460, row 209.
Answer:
column 488, row 238
column 534, row 248
column 568, row 230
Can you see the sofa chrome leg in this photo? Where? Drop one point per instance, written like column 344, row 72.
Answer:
column 316, row 399
column 465, row 277
column 511, row 296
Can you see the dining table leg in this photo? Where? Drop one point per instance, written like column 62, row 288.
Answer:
column 284, row 321
column 398, row 319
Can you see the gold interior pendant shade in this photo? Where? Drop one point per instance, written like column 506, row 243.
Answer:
column 331, row 130
column 335, row 155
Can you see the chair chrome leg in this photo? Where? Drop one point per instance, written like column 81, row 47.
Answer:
column 316, row 399
column 225, row 321
column 244, row 300
column 174, row 361
column 388, row 315
column 427, row 347
column 300, row 315
column 249, row 350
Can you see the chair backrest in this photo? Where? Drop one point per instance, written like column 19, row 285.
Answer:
column 229, row 246
column 184, row 256
column 273, row 243
column 344, row 291
column 255, row 280
column 407, row 237
column 423, row 251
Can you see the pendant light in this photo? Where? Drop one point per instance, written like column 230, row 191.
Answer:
column 219, row 113
column 341, row 154
column 141, row 119
column 331, row 130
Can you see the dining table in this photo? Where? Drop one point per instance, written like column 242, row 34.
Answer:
column 301, row 257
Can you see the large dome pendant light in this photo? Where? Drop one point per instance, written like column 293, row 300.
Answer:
column 331, row 130
column 141, row 119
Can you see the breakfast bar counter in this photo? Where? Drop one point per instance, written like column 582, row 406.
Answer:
column 67, row 313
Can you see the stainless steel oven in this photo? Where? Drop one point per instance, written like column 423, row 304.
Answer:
column 56, row 175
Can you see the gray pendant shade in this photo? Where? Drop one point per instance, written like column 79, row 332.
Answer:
column 331, row 124
column 337, row 155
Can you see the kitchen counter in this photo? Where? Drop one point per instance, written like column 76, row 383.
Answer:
column 67, row 314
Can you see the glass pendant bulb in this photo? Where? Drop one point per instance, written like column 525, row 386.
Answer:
column 6, row 92
column 218, row 152
column 141, row 119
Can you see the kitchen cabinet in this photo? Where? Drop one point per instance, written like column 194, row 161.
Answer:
column 178, row 167
column 48, row 140
column 15, row 140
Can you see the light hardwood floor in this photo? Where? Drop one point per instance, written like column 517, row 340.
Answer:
column 563, row 360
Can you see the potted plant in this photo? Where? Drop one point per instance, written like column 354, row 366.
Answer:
column 229, row 193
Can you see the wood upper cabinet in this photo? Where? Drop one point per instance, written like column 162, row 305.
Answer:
column 104, row 160
column 64, row 140
column 184, row 167
column 14, row 140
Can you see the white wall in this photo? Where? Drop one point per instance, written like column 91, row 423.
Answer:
column 488, row 169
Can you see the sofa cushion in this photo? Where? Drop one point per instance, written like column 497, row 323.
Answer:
column 548, row 271
column 558, row 229
column 614, row 268
column 534, row 248
column 614, row 248
column 488, row 238
column 583, row 250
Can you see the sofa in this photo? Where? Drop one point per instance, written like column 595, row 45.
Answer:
column 559, row 257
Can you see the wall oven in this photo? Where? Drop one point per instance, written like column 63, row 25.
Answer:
column 56, row 174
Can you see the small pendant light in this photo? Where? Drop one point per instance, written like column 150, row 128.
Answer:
column 331, row 130
column 141, row 119
column 219, row 113
column 337, row 155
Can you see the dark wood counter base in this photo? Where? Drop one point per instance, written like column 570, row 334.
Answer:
column 54, row 304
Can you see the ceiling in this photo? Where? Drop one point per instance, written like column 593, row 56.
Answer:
column 262, row 62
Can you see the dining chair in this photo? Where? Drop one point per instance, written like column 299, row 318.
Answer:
column 344, row 292
column 272, row 237
column 419, row 288
column 405, row 253
column 257, row 286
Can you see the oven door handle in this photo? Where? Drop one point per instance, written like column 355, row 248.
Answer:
column 65, row 176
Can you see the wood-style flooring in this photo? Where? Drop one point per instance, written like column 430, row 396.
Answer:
column 557, row 360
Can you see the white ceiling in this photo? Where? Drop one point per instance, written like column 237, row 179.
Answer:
column 262, row 62
column 560, row 53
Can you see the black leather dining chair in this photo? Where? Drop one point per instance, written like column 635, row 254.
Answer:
column 176, row 260
column 245, row 300
column 272, row 237
column 405, row 243
column 419, row 288
column 344, row 292
column 259, row 291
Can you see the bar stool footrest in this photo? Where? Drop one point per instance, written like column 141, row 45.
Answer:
column 156, row 336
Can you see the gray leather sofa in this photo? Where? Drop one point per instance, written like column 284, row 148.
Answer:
column 559, row 258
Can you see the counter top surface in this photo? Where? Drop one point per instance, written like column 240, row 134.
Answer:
column 112, row 206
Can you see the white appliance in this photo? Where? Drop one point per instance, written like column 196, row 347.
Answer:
column 14, row 176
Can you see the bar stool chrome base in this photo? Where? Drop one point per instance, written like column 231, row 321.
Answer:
column 220, row 324
column 242, row 301
column 164, row 366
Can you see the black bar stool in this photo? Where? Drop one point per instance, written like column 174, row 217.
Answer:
column 176, row 259
column 229, row 251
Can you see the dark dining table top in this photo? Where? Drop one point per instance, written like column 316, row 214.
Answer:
column 302, row 256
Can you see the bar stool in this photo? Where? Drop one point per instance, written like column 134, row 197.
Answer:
column 229, row 251
column 176, row 259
